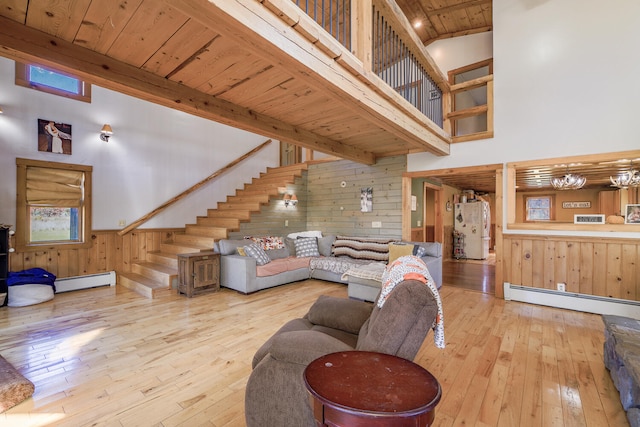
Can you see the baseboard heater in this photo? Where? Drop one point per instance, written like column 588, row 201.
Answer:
column 572, row 301
column 67, row 284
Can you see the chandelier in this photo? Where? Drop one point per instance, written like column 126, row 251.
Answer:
column 569, row 182
column 630, row 178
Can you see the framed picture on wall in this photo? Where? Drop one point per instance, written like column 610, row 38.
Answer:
column 366, row 199
column 54, row 137
column 632, row 214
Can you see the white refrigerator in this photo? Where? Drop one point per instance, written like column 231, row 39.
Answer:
column 473, row 220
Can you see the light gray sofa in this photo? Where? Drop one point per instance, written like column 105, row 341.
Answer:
column 241, row 272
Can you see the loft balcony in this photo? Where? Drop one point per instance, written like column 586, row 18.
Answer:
column 351, row 79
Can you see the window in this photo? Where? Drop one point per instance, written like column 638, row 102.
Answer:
column 539, row 208
column 54, row 205
column 52, row 81
column 471, row 115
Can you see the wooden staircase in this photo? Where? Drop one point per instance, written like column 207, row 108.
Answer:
column 158, row 273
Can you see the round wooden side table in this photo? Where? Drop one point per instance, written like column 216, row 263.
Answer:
column 359, row 388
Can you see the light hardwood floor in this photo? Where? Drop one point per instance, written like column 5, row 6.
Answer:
column 110, row 357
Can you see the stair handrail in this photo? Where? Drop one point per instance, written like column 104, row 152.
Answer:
column 148, row 216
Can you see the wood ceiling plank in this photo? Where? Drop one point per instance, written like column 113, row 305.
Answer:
column 15, row 10
column 213, row 60
column 244, row 92
column 104, row 20
column 247, row 71
column 24, row 44
column 190, row 39
column 152, row 24
column 269, row 37
column 60, row 18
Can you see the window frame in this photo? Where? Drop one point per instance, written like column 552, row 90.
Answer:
column 552, row 207
column 22, row 236
column 23, row 79
column 452, row 117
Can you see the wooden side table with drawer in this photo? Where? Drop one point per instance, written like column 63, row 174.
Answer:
column 198, row 273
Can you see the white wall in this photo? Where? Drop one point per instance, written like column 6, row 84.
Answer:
column 154, row 154
column 566, row 82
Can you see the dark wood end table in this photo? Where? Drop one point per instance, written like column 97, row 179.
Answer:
column 365, row 389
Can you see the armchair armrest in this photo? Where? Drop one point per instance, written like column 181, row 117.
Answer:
column 303, row 347
column 339, row 313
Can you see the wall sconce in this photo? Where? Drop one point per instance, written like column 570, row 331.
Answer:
column 290, row 199
column 1, row 112
column 106, row 132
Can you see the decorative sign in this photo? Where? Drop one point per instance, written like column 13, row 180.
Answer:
column 576, row 205
column 589, row 219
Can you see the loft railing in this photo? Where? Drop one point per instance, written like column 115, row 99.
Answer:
column 332, row 15
column 390, row 51
column 395, row 63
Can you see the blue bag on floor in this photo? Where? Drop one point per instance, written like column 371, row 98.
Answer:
column 31, row 276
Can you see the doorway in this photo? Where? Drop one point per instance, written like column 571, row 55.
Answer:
column 480, row 275
column 290, row 154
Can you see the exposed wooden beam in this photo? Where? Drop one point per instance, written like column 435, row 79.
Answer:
column 455, row 7
column 267, row 36
column 24, row 44
column 462, row 33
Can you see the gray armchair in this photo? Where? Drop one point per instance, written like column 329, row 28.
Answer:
column 276, row 395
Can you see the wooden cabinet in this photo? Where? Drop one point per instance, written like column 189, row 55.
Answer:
column 4, row 264
column 198, row 273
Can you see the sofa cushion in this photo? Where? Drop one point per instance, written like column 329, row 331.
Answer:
column 229, row 247
column 269, row 242
column 307, row 247
column 325, row 244
column 277, row 253
column 431, row 248
column 398, row 249
column 256, row 252
column 339, row 313
column 374, row 249
column 280, row 265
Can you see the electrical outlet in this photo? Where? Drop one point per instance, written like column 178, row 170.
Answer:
column 376, row 224
column 122, row 223
column 286, row 222
column 561, row 287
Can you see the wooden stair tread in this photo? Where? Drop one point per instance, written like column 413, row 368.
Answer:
column 145, row 281
column 159, row 267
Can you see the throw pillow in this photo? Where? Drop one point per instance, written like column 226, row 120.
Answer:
column 307, row 247
column 268, row 242
column 255, row 251
column 419, row 251
column 396, row 250
column 240, row 250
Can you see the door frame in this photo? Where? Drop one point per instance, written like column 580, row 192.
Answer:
column 498, row 169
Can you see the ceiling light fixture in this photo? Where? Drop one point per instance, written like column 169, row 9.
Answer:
column 630, row 178
column 569, row 182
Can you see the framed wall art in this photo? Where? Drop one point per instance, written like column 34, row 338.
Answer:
column 54, row 137
column 632, row 214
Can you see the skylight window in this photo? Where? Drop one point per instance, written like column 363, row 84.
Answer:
column 51, row 81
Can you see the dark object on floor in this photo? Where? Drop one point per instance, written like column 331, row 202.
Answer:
column 622, row 358
column 14, row 388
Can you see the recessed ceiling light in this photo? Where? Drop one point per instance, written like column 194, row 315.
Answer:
column 417, row 24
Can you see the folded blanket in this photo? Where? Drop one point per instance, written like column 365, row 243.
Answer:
column 373, row 271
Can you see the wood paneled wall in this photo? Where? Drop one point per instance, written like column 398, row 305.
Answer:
column 271, row 218
column 336, row 210
column 594, row 266
column 108, row 252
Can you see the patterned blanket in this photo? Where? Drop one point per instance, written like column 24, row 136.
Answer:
column 410, row 267
column 373, row 271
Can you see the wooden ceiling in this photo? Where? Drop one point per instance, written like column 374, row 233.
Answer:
column 536, row 175
column 232, row 61
column 439, row 19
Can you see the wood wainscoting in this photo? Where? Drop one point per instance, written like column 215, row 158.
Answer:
column 606, row 267
column 108, row 252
